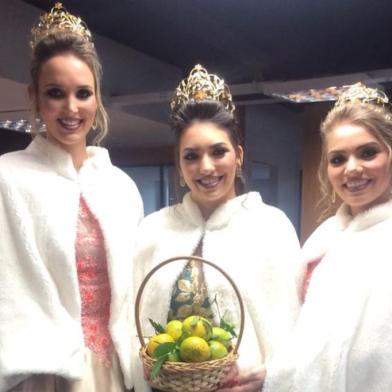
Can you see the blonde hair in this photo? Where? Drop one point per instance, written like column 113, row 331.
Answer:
column 375, row 118
column 68, row 42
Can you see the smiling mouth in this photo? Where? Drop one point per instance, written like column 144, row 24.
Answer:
column 209, row 182
column 356, row 185
column 70, row 124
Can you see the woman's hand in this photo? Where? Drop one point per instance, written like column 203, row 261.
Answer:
column 249, row 380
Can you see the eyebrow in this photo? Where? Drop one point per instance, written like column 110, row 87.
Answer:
column 362, row 146
column 220, row 144
column 59, row 86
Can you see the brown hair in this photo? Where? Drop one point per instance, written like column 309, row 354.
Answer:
column 68, row 42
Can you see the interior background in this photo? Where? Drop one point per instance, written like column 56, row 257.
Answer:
column 260, row 47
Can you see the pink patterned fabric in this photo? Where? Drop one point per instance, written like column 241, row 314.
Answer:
column 93, row 284
column 310, row 267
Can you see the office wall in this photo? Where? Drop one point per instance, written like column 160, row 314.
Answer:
column 273, row 141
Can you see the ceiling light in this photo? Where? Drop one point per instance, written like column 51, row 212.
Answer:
column 313, row 95
column 22, row 125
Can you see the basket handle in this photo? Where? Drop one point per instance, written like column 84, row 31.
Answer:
column 162, row 264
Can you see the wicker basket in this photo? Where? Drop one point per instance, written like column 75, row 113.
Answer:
column 182, row 376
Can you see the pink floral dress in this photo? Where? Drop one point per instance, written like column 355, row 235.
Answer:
column 102, row 371
column 93, row 284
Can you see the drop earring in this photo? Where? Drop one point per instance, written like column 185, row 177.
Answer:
column 333, row 197
column 239, row 173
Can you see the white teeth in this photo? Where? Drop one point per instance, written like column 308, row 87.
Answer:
column 356, row 185
column 69, row 123
column 209, row 181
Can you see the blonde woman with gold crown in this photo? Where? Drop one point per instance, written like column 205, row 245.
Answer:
column 342, row 341
column 222, row 222
column 67, row 219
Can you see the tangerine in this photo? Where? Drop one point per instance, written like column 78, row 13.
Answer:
column 197, row 326
column 217, row 349
column 222, row 336
column 194, row 349
column 174, row 329
column 156, row 340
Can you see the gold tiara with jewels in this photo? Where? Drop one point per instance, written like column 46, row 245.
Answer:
column 359, row 93
column 58, row 19
column 200, row 85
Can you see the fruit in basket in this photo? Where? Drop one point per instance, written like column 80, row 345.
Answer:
column 194, row 349
column 174, row 329
column 193, row 340
column 222, row 336
column 217, row 349
column 156, row 340
column 197, row 326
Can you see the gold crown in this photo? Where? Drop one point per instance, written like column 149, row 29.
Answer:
column 359, row 93
column 58, row 19
column 200, row 85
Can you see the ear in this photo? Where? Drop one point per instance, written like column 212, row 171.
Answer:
column 240, row 156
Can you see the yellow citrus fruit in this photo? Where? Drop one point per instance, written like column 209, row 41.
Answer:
column 194, row 349
column 156, row 340
column 217, row 349
column 221, row 335
column 174, row 329
column 197, row 326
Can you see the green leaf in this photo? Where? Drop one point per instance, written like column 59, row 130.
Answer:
column 228, row 327
column 207, row 326
column 206, row 323
column 157, row 367
column 163, row 349
column 158, row 327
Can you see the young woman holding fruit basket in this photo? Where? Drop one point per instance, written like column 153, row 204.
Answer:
column 217, row 220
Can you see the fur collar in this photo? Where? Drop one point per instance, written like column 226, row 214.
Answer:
column 61, row 161
column 326, row 235
column 222, row 215
column 365, row 219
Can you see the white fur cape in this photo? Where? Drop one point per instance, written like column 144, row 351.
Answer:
column 254, row 243
column 343, row 339
column 40, row 326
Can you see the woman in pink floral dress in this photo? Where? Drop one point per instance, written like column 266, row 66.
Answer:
column 68, row 219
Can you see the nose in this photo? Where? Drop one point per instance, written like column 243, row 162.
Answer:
column 71, row 104
column 206, row 165
column 353, row 166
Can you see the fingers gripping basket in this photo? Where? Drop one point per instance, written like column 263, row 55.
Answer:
column 181, row 376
